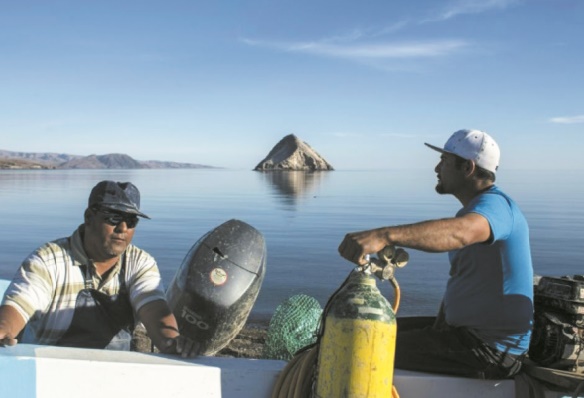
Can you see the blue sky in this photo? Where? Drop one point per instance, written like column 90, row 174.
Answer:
column 365, row 83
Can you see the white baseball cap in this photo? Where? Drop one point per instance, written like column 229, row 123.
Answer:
column 473, row 145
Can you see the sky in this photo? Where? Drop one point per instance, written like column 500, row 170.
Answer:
column 364, row 83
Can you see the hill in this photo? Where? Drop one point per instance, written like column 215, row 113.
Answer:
column 291, row 153
column 30, row 160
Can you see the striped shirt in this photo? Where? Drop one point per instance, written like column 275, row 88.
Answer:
column 45, row 287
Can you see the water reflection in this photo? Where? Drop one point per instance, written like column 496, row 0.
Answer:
column 292, row 185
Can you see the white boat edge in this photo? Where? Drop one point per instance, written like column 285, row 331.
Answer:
column 45, row 371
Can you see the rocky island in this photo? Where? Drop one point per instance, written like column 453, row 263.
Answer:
column 291, row 153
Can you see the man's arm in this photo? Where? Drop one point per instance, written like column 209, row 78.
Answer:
column 11, row 324
column 430, row 236
column 162, row 329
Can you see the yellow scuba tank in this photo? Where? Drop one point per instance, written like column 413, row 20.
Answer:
column 358, row 335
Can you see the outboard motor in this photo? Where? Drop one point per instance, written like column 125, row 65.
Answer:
column 558, row 333
column 214, row 290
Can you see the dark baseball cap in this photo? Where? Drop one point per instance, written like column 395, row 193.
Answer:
column 119, row 196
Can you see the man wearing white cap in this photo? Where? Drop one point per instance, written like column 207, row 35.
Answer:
column 484, row 324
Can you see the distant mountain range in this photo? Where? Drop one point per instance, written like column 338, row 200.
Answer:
column 31, row 160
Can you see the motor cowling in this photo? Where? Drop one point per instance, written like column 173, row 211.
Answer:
column 215, row 288
column 357, row 348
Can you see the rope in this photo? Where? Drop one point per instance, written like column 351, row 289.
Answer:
column 296, row 379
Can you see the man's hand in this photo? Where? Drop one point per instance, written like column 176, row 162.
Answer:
column 181, row 345
column 163, row 330
column 5, row 337
column 11, row 323
column 4, row 341
column 356, row 245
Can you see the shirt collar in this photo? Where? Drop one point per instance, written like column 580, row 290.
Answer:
column 77, row 251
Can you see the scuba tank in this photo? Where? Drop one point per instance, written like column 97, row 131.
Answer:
column 358, row 334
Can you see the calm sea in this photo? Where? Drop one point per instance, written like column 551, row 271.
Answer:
column 303, row 217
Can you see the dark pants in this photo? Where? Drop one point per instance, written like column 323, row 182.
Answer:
column 425, row 345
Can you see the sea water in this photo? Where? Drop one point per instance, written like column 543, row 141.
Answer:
column 302, row 216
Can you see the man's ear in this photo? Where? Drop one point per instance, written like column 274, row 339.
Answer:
column 88, row 215
column 469, row 168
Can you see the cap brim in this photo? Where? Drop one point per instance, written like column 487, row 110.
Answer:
column 124, row 209
column 139, row 214
column 435, row 148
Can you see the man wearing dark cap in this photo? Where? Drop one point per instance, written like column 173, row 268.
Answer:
column 90, row 289
column 484, row 324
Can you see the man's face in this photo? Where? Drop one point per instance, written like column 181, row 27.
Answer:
column 108, row 233
column 450, row 175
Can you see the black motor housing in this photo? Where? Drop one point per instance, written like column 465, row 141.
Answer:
column 214, row 290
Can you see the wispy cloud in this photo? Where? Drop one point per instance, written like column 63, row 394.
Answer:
column 373, row 45
column 364, row 51
column 369, row 33
column 568, row 119
column 462, row 7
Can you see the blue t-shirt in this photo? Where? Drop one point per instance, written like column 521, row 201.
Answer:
column 490, row 290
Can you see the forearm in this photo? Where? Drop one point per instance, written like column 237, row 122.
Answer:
column 430, row 236
column 159, row 322
column 11, row 322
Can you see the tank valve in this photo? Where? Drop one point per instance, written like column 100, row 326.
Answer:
column 388, row 259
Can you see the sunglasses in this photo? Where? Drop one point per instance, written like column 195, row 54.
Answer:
column 115, row 219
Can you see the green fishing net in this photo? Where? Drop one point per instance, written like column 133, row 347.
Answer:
column 293, row 326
